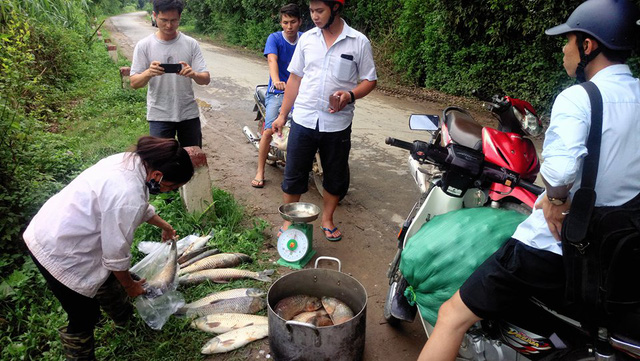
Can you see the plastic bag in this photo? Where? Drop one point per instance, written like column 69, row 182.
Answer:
column 160, row 269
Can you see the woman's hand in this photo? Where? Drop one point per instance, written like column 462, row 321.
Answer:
column 135, row 288
column 168, row 233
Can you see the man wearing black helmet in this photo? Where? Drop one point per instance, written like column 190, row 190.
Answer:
column 331, row 67
column 600, row 36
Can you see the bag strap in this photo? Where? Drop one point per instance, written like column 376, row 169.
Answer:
column 590, row 170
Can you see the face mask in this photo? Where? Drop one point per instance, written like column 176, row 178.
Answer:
column 154, row 186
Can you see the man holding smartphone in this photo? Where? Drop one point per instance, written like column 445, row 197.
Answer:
column 326, row 67
column 168, row 60
column 278, row 50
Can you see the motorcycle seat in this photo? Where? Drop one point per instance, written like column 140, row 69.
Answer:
column 464, row 130
column 261, row 91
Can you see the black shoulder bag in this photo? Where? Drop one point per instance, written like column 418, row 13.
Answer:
column 601, row 245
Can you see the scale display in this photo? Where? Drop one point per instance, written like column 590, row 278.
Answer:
column 293, row 245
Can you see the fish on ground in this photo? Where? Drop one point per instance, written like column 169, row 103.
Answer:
column 318, row 318
column 161, row 282
column 337, row 310
column 222, row 260
column 235, row 339
column 229, row 305
column 196, row 257
column 196, row 245
column 224, row 275
column 225, row 322
column 216, row 296
column 289, row 307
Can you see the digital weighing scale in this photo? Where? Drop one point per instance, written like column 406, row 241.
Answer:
column 295, row 244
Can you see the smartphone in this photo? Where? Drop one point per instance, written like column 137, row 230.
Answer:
column 334, row 102
column 171, row 68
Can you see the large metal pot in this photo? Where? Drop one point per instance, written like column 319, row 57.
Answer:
column 291, row 340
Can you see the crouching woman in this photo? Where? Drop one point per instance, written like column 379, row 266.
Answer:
column 81, row 237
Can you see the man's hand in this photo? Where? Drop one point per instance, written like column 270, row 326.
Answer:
column 187, row 71
column 154, row 69
column 280, row 85
column 278, row 124
column 554, row 215
column 345, row 98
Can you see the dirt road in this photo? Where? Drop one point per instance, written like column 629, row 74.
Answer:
column 381, row 193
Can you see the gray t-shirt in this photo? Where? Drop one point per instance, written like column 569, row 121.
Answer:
column 170, row 96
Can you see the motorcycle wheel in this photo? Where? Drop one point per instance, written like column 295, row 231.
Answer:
column 272, row 153
column 392, row 321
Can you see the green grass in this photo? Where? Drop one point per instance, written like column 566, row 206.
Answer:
column 96, row 118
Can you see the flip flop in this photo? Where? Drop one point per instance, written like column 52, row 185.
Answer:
column 257, row 183
column 331, row 231
column 280, row 230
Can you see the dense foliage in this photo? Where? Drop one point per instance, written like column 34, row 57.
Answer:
column 48, row 58
column 454, row 46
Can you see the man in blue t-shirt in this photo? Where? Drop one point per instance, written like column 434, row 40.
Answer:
column 278, row 50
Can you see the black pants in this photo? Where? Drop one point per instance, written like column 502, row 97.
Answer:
column 83, row 312
column 188, row 131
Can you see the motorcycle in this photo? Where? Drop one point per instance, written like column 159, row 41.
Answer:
column 467, row 165
column 277, row 155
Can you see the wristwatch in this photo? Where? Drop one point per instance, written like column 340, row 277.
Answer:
column 353, row 97
column 557, row 201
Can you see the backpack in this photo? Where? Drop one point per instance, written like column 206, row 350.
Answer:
column 600, row 245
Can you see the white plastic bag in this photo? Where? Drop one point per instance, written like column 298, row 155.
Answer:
column 160, row 269
column 147, row 247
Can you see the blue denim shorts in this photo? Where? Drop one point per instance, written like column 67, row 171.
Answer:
column 334, row 148
column 273, row 102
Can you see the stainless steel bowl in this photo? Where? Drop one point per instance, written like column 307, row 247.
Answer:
column 299, row 212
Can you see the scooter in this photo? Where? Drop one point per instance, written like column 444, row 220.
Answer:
column 468, row 165
column 277, row 155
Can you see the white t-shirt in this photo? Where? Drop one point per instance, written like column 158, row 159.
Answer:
column 565, row 148
column 85, row 231
column 325, row 71
column 170, row 96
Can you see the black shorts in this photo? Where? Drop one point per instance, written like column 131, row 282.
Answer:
column 512, row 275
column 334, row 148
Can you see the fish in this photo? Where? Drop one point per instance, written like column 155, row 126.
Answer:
column 229, row 305
column 291, row 306
column 224, row 275
column 337, row 310
column 216, row 296
column 318, row 318
column 196, row 245
column 222, row 260
column 161, row 282
column 235, row 339
column 204, row 254
column 225, row 322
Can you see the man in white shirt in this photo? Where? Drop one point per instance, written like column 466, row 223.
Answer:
column 530, row 263
column 329, row 61
column 171, row 105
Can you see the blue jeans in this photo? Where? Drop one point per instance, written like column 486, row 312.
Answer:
column 334, row 150
column 189, row 132
column 272, row 103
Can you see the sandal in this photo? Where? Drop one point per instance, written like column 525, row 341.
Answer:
column 331, row 231
column 257, row 183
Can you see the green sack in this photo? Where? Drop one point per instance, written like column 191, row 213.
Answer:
column 446, row 250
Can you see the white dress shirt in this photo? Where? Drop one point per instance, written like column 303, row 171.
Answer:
column 85, row 231
column 325, row 71
column 565, row 148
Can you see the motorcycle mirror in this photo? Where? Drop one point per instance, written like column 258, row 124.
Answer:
column 424, row 122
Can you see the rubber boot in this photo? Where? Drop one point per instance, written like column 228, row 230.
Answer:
column 115, row 302
column 77, row 346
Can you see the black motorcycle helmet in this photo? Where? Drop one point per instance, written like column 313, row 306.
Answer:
column 613, row 23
